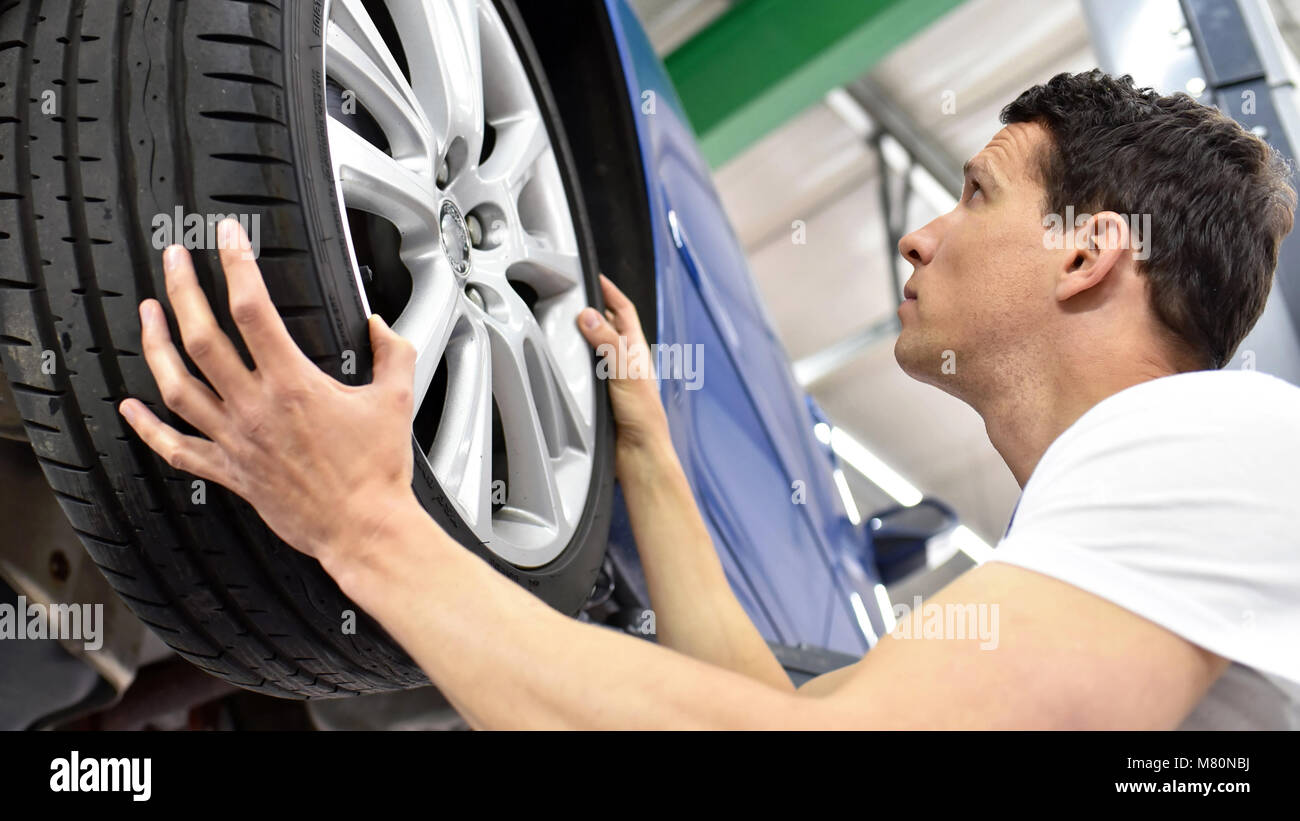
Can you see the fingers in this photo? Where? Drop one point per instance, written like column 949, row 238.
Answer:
column 187, row 454
column 597, row 329
column 204, row 340
column 394, row 356
column 617, row 336
column 614, row 298
column 255, row 315
column 620, row 318
column 181, row 391
column 624, row 316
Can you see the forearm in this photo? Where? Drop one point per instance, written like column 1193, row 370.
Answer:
column 507, row 660
column 696, row 612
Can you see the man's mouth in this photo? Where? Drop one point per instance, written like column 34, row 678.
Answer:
column 909, row 292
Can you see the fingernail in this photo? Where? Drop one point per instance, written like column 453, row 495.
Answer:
column 379, row 319
column 171, row 256
column 590, row 319
column 127, row 410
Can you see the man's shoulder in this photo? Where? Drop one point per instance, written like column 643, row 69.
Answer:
column 1229, row 382
column 1218, row 387
column 1193, row 424
column 1223, row 401
column 1176, row 500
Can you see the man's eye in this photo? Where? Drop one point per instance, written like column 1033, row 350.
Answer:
column 974, row 189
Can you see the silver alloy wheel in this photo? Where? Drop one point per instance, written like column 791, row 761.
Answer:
column 468, row 231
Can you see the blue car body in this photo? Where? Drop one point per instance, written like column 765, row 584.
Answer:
column 801, row 569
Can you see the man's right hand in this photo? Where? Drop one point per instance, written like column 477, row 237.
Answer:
column 633, row 388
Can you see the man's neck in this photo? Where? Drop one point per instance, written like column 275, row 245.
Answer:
column 1023, row 419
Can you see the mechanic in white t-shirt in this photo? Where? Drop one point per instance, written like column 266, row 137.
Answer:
column 1160, row 497
column 1110, row 250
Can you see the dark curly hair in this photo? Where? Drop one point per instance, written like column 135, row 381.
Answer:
column 1220, row 198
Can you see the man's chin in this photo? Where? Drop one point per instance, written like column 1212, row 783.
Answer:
column 916, row 359
column 906, row 355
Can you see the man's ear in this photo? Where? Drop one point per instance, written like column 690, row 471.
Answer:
column 1099, row 245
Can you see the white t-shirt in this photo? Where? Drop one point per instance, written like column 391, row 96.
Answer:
column 1179, row 500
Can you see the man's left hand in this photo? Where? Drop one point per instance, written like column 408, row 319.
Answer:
column 322, row 462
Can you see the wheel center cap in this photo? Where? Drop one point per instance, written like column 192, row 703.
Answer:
column 455, row 238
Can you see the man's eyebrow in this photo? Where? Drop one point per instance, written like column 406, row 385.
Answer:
column 979, row 166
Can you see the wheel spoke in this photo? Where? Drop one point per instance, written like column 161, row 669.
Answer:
column 558, row 407
column 428, row 320
column 359, row 60
column 461, row 456
column 448, row 78
column 560, row 414
column 521, row 141
column 547, row 270
column 534, row 493
column 374, row 182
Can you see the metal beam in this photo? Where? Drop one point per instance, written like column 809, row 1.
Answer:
column 820, row 364
column 764, row 61
column 886, row 114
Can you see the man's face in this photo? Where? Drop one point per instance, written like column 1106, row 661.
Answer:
column 982, row 279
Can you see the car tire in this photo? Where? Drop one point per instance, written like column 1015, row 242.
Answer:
column 113, row 112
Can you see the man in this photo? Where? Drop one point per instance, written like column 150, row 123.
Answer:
column 1154, row 548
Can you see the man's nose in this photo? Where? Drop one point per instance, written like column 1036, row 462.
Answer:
column 918, row 246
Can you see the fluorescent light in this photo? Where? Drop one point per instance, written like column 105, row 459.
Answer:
column 886, row 608
column 864, row 621
column 856, row 456
column 940, row 200
column 970, row 544
column 896, row 157
column 850, row 506
column 853, row 115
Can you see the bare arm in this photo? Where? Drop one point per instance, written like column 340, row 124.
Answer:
column 696, row 611
column 505, row 659
column 1065, row 660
